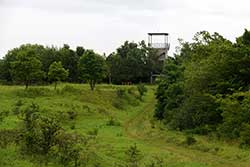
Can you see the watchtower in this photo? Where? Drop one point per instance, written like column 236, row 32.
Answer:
column 161, row 46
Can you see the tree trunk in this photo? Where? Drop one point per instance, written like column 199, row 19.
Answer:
column 92, row 84
column 26, row 84
column 110, row 79
column 55, row 85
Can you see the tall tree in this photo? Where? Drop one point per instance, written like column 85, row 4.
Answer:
column 92, row 68
column 26, row 68
column 57, row 73
column 133, row 62
column 69, row 61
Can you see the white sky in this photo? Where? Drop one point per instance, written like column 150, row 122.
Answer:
column 103, row 25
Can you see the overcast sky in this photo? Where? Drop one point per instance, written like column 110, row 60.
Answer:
column 103, row 25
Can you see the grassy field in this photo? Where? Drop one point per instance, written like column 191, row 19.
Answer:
column 134, row 124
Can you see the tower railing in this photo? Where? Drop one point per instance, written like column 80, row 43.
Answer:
column 160, row 45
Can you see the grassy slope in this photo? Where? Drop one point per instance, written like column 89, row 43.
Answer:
column 137, row 126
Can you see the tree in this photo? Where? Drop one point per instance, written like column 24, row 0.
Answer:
column 57, row 72
column 142, row 90
column 134, row 156
column 80, row 51
column 92, row 68
column 69, row 60
column 133, row 62
column 26, row 68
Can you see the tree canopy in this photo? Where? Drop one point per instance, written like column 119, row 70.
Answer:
column 205, row 86
column 92, row 68
column 57, row 72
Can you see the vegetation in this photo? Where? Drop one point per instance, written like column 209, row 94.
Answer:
column 133, row 63
column 30, row 64
column 92, row 68
column 205, row 88
column 201, row 107
column 57, row 72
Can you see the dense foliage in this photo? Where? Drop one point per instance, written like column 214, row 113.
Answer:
column 205, row 87
column 92, row 68
column 133, row 63
column 30, row 64
column 57, row 72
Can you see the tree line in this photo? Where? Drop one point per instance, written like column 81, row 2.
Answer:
column 205, row 87
column 36, row 64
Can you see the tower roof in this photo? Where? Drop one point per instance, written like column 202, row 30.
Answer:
column 157, row 33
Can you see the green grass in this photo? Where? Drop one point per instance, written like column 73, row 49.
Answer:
column 94, row 110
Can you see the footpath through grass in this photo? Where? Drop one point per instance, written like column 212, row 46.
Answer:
column 117, row 122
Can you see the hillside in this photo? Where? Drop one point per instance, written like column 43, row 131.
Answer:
column 115, row 119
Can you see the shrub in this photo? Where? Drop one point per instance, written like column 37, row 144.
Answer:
column 245, row 135
column 39, row 131
column 133, row 156
column 69, row 89
column 16, row 109
column 190, row 140
column 118, row 103
column 142, row 90
column 70, row 148
column 156, row 162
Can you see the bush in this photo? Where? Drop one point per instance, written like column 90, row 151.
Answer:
column 133, row 156
column 39, row 131
column 156, row 162
column 16, row 109
column 190, row 140
column 70, row 148
column 245, row 135
column 118, row 103
column 69, row 89
column 142, row 90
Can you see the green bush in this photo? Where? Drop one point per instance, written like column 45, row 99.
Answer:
column 16, row 109
column 245, row 135
column 190, row 140
column 142, row 90
column 69, row 89
column 133, row 155
column 118, row 103
column 70, row 148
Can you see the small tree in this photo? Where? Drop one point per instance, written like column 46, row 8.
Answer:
column 133, row 155
column 57, row 73
column 92, row 68
column 142, row 90
column 26, row 68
